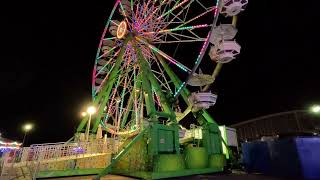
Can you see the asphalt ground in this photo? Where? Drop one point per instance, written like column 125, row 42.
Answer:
column 234, row 176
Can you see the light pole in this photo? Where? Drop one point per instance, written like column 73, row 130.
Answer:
column 91, row 110
column 26, row 128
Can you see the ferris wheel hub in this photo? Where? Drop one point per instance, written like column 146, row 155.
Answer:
column 122, row 29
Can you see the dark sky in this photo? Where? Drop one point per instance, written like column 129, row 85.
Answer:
column 48, row 50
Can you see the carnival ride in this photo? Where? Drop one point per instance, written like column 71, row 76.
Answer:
column 150, row 51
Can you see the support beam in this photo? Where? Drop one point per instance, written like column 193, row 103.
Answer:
column 147, row 92
column 155, row 85
column 130, row 102
column 115, row 159
column 185, row 92
column 112, row 78
column 176, row 81
column 104, row 93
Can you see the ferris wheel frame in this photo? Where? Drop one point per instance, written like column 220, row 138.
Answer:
column 119, row 50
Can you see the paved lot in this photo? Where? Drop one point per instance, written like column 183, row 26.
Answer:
column 197, row 177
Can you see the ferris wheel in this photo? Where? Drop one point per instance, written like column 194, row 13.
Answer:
column 149, row 52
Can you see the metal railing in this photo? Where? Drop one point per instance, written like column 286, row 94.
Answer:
column 28, row 162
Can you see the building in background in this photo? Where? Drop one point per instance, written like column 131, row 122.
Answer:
column 290, row 123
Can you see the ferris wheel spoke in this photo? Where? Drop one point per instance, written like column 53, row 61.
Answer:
column 179, row 38
column 106, row 53
column 169, row 58
column 146, row 20
column 196, row 17
column 98, row 88
column 162, row 74
column 123, row 10
column 110, row 38
column 176, row 15
column 172, row 9
column 166, row 3
column 137, row 18
column 117, row 55
column 122, row 99
column 184, row 23
column 161, row 83
column 111, row 102
column 203, row 6
column 179, row 41
column 132, row 99
column 190, row 30
column 158, row 25
column 113, row 110
column 147, row 52
column 103, row 68
column 126, row 16
column 185, row 37
column 157, row 10
column 125, row 84
column 179, row 29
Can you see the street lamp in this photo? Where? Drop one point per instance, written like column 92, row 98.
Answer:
column 315, row 109
column 26, row 128
column 91, row 110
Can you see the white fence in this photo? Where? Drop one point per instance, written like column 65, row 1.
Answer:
column 28, row 162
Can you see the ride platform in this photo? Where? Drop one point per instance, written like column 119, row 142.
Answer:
column 168, row 174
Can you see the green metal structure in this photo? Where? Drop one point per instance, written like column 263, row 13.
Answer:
column 138, row 94
column 145, row 65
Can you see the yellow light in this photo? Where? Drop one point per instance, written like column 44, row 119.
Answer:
column 91, row 110
column 83, row 114
column 315, row 109
column 27, row 127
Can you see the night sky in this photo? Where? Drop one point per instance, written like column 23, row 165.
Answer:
column 48, row 50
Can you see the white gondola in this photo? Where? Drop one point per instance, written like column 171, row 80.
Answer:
column 233, row 7
column 200, row 80
column 107, row 47
column 227, row 50
column 114, row 27
column 102, row 62
column 108, row 42
column 202, row 100
column 106, row 50
column 213, row 53
column 223, row 32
